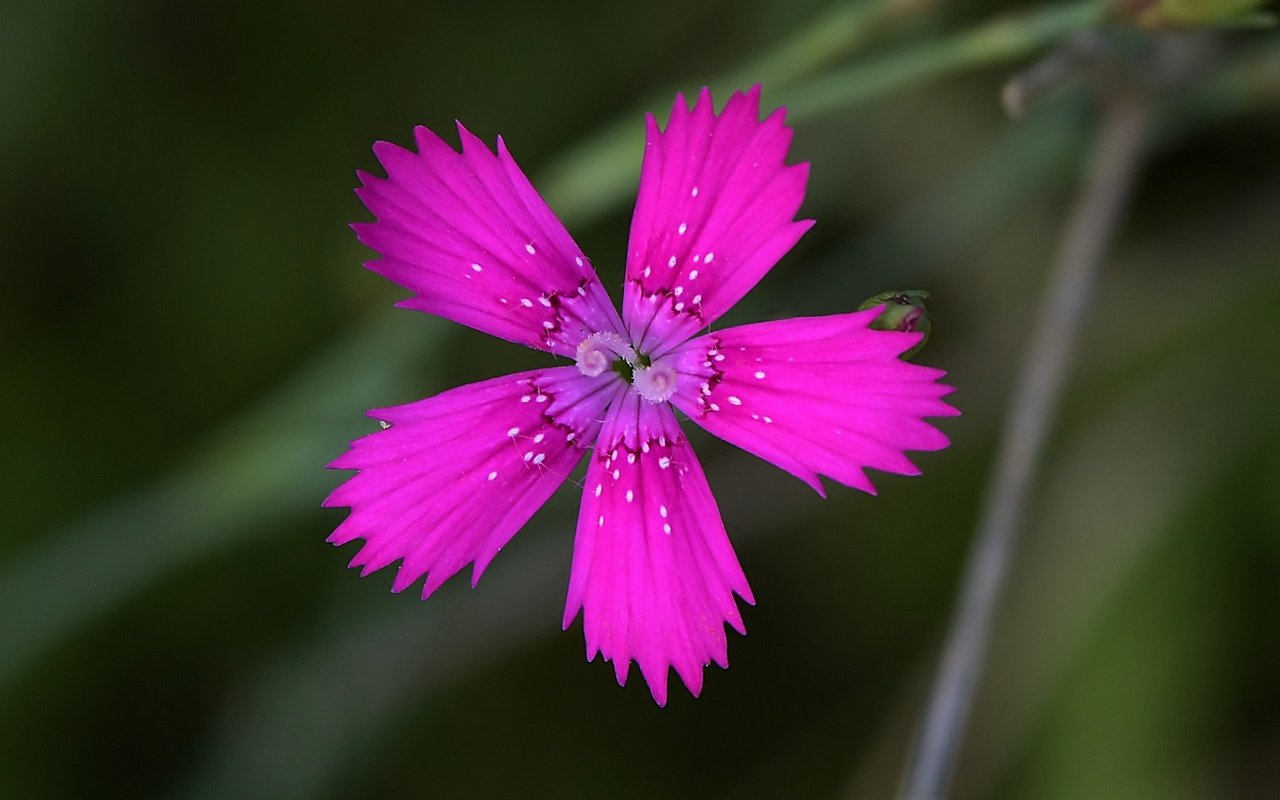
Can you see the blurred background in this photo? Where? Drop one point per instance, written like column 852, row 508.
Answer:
column 188, row 337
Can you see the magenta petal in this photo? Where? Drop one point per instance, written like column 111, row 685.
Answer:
column 455, row 476
column 653, row 570
column 715, row 212
column 470, row 237
column 816, row 395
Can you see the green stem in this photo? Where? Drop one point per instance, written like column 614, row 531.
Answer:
column 1099, row 208
column 263, row 468
column 995, row 42
column 600, row 173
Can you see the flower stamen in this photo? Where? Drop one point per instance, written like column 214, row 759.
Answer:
column 656, row 383
column 601, row 351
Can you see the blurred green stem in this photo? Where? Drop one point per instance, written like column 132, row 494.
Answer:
column 598, row 175
column 260, row 469
column 1099, row 207
column 841, row 30
column 995, row 42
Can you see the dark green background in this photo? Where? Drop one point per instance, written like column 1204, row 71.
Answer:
column 187, row 337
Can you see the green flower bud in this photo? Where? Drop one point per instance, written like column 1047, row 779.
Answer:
column 903, row 311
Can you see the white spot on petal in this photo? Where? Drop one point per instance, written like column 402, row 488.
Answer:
column 477, row 267
column 693, row 192
column 671, row 262
column 493, row 474
column 578, row 260
column 663, row 511
column 768, row 420
column 759, row 375
column 630, row 495
column 600, row 522
column 528, row 456
column 529, row 249
column 539, row 438
column 599, row 488
column 664, row 462
column 539, row 458
column 545, row 301
column 693, row 275
column 526, row 302
column 666, row 529
column 512, row 431
column 735, row 400
column 682, row 229
column 709, row 257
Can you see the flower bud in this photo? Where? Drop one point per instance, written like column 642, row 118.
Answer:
column 903, row 311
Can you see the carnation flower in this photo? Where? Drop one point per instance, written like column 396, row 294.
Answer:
column 452, row 478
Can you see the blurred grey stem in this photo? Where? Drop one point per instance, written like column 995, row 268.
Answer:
column 1113, row 165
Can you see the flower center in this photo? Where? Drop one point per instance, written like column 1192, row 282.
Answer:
column 599, row 352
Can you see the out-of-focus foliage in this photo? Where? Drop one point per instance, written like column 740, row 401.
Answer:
column 1157, row 14
column 187, row 338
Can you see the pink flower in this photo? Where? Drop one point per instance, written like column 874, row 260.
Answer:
column 455, row 476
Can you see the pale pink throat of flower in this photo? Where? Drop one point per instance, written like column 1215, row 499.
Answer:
column 600, row 352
